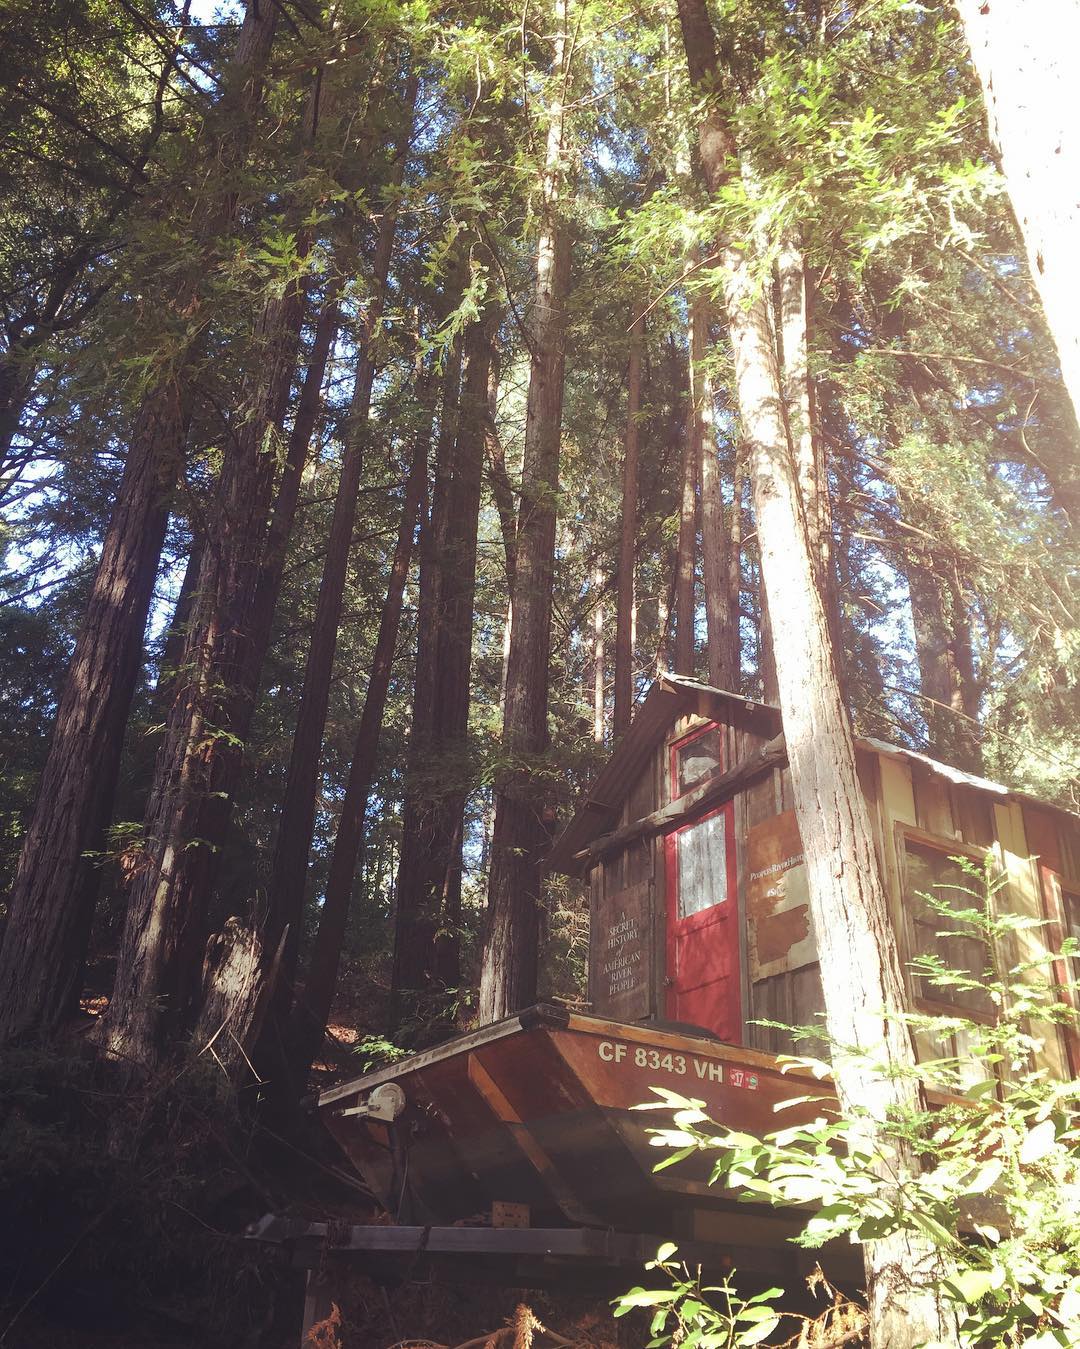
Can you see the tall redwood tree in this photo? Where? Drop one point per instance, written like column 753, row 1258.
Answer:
column 52, row 900
column 860, row 964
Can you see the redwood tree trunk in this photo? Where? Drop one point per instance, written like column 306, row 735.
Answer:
column 51, row 903
column 197, row 768
column 860, row 965
column 598, row 658
column 312, row 1007
column 455, row 630
column 412, row 953
column 499, row 481
column 806, row 442
column 522, row 823
column 1025, row 57
column 624, row 606
column 428, row 909
column 286, row 902
column 287, row 496
column 684, row 557
column 722, row 642
column 946, row 664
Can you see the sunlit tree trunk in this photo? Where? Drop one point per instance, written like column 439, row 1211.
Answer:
column 1025, row 58
column 685, row 598
column 860, row 965
column 722, row 644
column 51, row 903
column 624, row 606
column 806, row 442
column 522, row 824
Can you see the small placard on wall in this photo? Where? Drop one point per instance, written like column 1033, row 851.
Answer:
column 620, row 963
column 780, row 936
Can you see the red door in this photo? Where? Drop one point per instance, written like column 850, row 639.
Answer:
column 703, row 986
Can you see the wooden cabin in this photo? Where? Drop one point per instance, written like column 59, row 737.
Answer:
column 700, row 927
column 698, row 896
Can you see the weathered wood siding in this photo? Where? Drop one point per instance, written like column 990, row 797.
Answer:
column 910, row 804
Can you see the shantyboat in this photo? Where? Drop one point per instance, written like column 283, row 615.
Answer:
column 537, row 1113
column 701, row 950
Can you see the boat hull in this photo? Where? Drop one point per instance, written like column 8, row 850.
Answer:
column 539, row 1110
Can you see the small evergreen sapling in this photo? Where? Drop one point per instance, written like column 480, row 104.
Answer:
column 998, row 1194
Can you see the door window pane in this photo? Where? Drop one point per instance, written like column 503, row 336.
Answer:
column 701, row 859
column 697, row 760
column 928, row 869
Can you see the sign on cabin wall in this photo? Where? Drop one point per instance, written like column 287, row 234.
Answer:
column 620, row 954
column 779, row 935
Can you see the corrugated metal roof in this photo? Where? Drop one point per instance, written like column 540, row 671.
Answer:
column 962, row 779
column 956, row 775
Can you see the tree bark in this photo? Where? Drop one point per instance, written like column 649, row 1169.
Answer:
column 734, row 581
column 312, row 1006
column 723, row 643
column 52, row 899
column 499, row 479
column 156, row 988
column 624, row 607
column 172, row 651
column 860, row 965
column 685, row 598
column 233, row 998
column 412, row 952
column 455, row 633
column 598, row 658
column 287, row 497
column 286, row 899
column 806, row 442
column 522, row 823
column 1024, row 57
column 946, row 664
column 428, row 911
column 770, row 686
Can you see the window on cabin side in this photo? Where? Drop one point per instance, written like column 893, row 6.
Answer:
column 932, row 872
column 695, row 758
column 701, row 861
column 1070, row 903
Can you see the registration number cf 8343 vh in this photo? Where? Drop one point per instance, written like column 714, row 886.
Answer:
column 679, row 1065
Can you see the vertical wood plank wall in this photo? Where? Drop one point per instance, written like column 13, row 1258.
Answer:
column 905, row 799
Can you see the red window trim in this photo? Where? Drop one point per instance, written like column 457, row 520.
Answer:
column 681, row 743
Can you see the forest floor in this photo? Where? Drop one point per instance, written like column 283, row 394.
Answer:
column 125, row 1216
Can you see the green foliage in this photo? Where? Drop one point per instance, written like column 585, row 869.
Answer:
column 696, row 1316
column 117, row 1201
column 950, row 447
column 998, row 1182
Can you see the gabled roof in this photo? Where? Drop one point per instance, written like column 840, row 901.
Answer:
column 670, row 697
column 673, row 696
